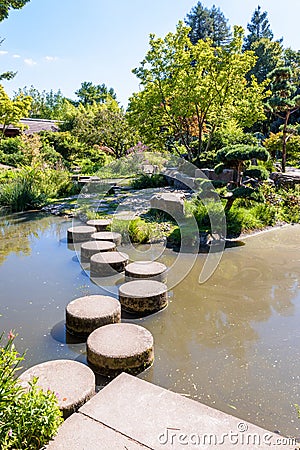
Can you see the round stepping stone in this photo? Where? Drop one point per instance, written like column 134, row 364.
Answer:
column 91, row 248
column 121, row 347
column 80, row 234
column 72, row 382
column 99, row 224
column 107, row 236
column 143, row 296
column 85, row 314
column 108, row 263
column 146, row 269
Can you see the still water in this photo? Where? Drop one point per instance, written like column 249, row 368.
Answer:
column 232, row 343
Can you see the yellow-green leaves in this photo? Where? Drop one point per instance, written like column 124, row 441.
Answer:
column 189, row 91
column 11, row 111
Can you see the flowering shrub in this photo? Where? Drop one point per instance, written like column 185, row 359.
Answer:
column 28, row 418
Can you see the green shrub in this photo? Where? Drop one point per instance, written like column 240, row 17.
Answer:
column 258, row 172
column 28, row 418
column 145, row 181
column 32, row 187
column 137, row 230
column 21, row 194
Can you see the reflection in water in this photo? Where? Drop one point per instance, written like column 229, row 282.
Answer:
column 232, row 343
column 18, row 230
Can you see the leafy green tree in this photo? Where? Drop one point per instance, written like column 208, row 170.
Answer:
column 208, row 23
column 190, row 91
column 258, row 28
column 284, row 101
column 90, row 93
column 11, row 111
column 105, row 125
column 46, row 105
column 7, row 5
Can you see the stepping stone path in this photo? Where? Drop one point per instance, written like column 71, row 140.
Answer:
column 122, row 347
column 143, row 296
column 80, row 234
column 86, row 314
column 108, row 263
column 73, row 382
column 99, row 224
column 91, row 248
column 107, row 236
column 146, row 269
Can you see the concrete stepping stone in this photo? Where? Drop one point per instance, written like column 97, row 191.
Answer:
column 72, row 381
column 121, row 347
column 145, row 270
column 86, row 314
column 99, row 224
column 107, row 236
column 91, row 248
column 108, row 263
column 143, row 296
column 80, row 234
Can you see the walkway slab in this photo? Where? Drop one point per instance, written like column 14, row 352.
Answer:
column 161, row 419
column 130, row 413
column 82, row 433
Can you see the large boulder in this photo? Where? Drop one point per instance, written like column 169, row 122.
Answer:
column 171, row 203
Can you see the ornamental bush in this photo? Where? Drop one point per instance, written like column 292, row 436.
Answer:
column 28, row 418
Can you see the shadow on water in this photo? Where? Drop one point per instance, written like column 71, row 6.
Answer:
column 60, row 334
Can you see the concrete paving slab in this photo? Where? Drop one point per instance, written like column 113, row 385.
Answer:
column 82, row 433
column 161, row 419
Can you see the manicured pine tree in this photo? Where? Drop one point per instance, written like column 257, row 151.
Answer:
column 283, row 101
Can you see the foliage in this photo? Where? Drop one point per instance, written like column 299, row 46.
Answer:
column 11, row 111
column 191, row 91
column 46, row 105
column 274, row 145
column 269, row 56
column 7, row 5
column 208, row 24
column 258, row 28
column 284, row 101
column 258, row 172
column 105, row 125
column 31, row 187
column 145, row 181
column 89, row 93
column 21, row 194
column 26, row 150
column 137, row 230
column 235, row 157
column 28, row 418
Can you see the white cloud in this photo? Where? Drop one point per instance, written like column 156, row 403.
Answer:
column 3, row 52
column 16, row 56
column 29, row 62
column 51, row 58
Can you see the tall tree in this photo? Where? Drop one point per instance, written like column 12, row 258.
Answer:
column 12, row 111
column 190, row 91
column 105, row 125
column 208, row 23
column 269, row 56
column 7, row 5
column 258, row 28
column 90, row 93
column 46, row 105
column 284, row 101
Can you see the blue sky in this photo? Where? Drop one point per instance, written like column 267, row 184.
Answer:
column 60, row 43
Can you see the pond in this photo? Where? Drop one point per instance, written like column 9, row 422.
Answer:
column 231, row 343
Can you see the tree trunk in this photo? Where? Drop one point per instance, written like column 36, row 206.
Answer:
column 284, row 140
